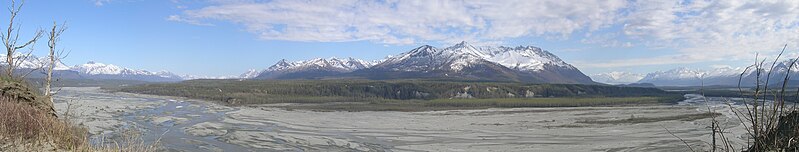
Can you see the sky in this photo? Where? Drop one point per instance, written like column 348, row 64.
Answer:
column 228, row 37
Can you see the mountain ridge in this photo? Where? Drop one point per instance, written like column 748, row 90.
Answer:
column 460, row 61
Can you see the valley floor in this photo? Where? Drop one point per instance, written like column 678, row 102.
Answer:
column 190, row 125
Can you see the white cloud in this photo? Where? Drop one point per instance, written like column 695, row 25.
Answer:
column 100, row 2
column 177, row 18
column 697, row 31
column 407, row 22
column 609, row 40
column 715, row 29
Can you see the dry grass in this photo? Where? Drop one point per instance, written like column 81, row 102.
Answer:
column 23, row 123
column 25, row 128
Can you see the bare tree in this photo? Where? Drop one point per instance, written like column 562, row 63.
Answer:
column 54, row 56
column 11, row 41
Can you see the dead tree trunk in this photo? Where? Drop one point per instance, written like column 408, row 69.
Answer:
column 10, row 40
column 54, row 57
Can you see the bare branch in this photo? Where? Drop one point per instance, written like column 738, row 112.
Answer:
column 678, row 137
column 10, row 39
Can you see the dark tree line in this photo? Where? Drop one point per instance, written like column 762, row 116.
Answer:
column 266, row 91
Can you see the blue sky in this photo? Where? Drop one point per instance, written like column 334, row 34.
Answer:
column 218, row 38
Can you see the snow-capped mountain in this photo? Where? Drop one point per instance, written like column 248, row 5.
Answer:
column 33, row 62
column 333, row 64
column 90, row 70
column 464, row 61
column 252, row 73
column 455, row 58
column 678, row 73
column 616, row 77
column 94, row 68
column 524, row 58
column 313, row 68
column 726, row 76
column 461, row 61
column 109, row 71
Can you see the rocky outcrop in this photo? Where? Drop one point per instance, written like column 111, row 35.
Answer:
column 16, row 91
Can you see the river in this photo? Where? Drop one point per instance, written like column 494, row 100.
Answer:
column 180, row 124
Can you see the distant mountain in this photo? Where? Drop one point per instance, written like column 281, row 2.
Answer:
column 252, row 73
column 674, row 77
column 781, row 69
column 91, row 70
column 461, row 61
column 724, row 76
column 33, row 62
column 308, row 69
column 617, row 77
column 94, row 70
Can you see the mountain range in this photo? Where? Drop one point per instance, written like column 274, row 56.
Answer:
column 617, row 77
column 309, row 69
column 90, row 70
column 462, row 61
column 721, row 76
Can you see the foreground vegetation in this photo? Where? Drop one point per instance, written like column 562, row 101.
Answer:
column 27, row 128
column 27, row 123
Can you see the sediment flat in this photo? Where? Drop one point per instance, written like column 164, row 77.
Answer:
column 192, row 125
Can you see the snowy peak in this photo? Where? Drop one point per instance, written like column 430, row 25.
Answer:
column 721, row 75
column 460, row 61
column 95, row 68
column 332, row 64
column 674, row 74
column 33, row 62
column 252, row 73
column 522, row 58
column 525, row 58
column 464, row 48
column 687, row 73
column 428, row 58
column 616, row 77
column 784, row 65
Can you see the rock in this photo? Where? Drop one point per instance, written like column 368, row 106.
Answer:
column 17, row 91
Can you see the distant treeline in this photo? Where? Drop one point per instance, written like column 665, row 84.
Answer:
column 789, row 95
column 299, row 91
